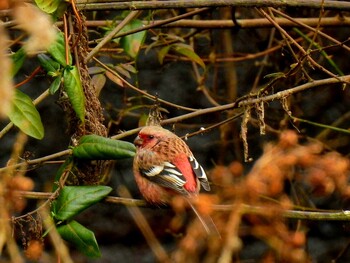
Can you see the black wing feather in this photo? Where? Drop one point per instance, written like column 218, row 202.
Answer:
column 166, row 175
column 199, row 172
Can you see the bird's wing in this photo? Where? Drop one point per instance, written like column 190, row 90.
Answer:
column 166, row 175
column 199, row 172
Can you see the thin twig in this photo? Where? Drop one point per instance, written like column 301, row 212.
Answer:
column 147, row 95
column 306, row 54
column 247, row 209
column 38, row 160
column 148, row 25
column 286, row 93
column 31, row 76
column 109, row 37
column 309, row 27
column 226, row 23
column 141, row 5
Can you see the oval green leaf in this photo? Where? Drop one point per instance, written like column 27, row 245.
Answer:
column 74, row 199
column 132, row 43
column 48, row 6
column 48, row 63
column 162, row 53
column 25, row 116
column 81, row 237
column 74, row 89
column 55, row 85
column 58, row 50
column 94, row 147
column 188, row 52
column 98, row 81
column 18, row 59
column 96, row 70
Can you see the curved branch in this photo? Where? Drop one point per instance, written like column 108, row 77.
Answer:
column 237, row 104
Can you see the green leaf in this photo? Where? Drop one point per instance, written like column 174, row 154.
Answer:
column 94, row 147
column 18, row 59
column 96, row 70
column 74, row 199
column 132, row 43
column 275, row 75
column 48, row 6
column 98, row 81
column 162, row 53
column 187, row 51
column 25, row 116
column 48, row 63
column 128, row 67
column 122, row 71
column 58, row 50
column 55, row 85
column 81, row 237
column 74, row 89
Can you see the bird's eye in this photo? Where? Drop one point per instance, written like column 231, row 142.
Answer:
column 150, row 136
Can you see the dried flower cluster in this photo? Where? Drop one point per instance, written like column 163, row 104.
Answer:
column 253, row 205
column 41, row 32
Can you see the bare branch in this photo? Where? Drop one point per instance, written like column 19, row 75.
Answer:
column 139, row 5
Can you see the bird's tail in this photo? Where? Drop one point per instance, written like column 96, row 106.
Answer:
column 206, row 221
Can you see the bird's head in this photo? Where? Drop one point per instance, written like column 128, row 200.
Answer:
column 149, row 136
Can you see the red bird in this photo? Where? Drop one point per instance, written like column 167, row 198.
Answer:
column 164, row 166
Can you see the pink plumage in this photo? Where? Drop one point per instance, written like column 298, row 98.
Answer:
column 164, row 166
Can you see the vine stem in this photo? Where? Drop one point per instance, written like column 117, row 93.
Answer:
column 246, row 209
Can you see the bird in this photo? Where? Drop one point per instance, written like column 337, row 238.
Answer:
column 164, row 167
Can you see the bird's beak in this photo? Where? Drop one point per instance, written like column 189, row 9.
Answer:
column 138, row 141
